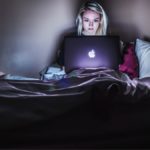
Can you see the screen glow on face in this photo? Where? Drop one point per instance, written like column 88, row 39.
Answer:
column 91, row 22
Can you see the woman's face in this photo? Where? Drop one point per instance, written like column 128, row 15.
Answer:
column 90, row 22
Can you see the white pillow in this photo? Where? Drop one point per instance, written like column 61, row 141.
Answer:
column 142, row 50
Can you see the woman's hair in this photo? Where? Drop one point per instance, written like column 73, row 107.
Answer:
column 94, row 6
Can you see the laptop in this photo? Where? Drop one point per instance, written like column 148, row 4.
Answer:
column 91, row 52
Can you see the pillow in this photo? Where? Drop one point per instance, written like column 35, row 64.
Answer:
column 130, row 63
column 142, row 50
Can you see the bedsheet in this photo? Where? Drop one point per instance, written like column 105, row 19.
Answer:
column 81, row 78
column 29, row 108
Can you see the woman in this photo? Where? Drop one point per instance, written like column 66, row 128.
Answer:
column 91, row 20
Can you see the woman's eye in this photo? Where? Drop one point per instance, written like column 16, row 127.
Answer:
column 86, row 20
column 97, row 20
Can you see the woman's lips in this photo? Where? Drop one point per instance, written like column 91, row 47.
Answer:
column 91, row 29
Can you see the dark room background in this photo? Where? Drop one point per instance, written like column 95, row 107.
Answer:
column 30, row 30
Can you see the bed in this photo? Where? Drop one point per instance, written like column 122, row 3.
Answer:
column 100, row 108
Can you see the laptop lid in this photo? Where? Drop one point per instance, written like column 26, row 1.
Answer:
column 91, row 52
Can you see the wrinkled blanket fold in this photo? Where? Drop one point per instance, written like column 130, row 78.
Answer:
column 81, row 78
column 26, row 101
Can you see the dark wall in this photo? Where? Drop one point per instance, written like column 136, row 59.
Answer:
column 129, row 18
column 30, row 30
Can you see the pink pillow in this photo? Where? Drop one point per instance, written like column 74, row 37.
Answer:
column 130, row 64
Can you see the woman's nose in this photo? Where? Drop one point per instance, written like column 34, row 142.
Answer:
column 91, row 23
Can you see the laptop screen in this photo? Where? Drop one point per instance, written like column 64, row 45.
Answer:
column 91, row 52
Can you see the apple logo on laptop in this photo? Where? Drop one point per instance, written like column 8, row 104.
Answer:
column 91, row 53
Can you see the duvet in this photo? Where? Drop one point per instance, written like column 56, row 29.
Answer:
column 32, row 110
